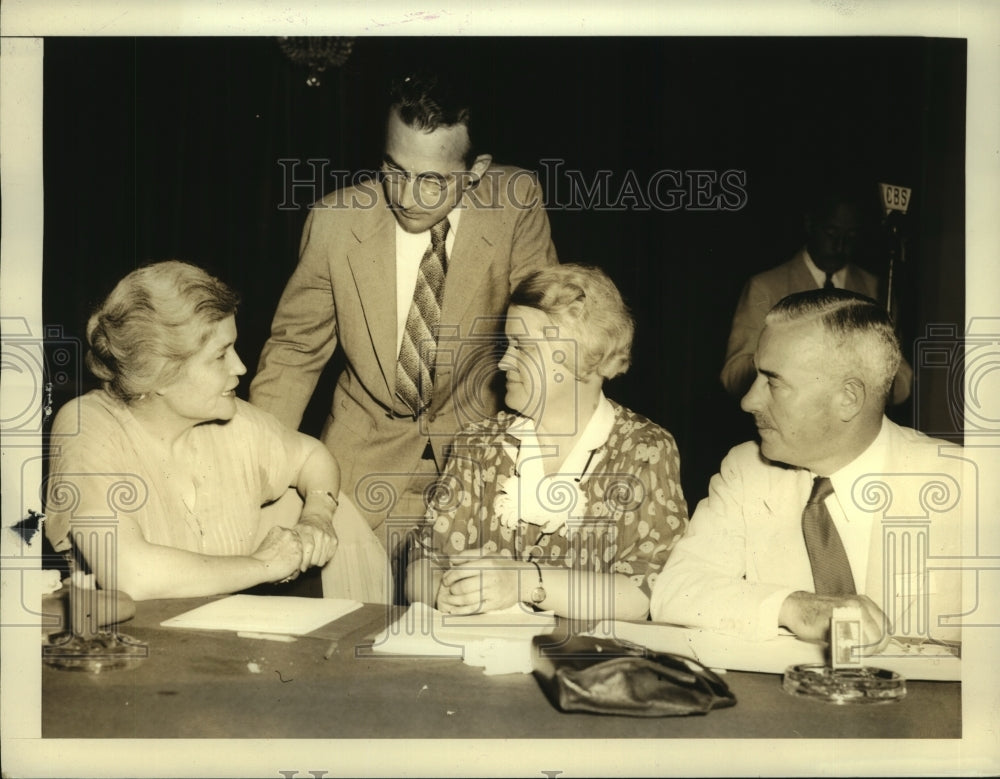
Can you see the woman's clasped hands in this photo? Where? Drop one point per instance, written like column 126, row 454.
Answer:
column 479, row 584
column 281, row 554
column 287, row 552
column 319, row 541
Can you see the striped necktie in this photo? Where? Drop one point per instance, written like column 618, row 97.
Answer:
column 831, row 569
column 415, row 369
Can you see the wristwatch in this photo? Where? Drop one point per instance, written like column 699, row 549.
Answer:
column 538, row 594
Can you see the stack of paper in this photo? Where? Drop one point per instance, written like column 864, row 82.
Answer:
column 264, row 614
column 498, row 641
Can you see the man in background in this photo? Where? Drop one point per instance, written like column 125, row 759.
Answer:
column 833, row 228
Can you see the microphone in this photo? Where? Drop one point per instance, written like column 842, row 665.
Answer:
column 895, row 203
column 895, row 198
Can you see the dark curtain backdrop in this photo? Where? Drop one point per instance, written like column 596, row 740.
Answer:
column 199, row 149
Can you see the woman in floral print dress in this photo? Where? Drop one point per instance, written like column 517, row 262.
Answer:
column 571, row 503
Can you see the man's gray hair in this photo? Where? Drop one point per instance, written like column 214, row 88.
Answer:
column 861, row 331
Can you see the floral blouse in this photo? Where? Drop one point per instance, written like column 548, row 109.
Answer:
column 623, row 514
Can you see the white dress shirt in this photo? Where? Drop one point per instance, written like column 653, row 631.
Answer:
column 839, row 278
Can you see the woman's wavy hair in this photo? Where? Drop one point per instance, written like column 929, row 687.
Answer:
column 586, row 307
column 155, row 319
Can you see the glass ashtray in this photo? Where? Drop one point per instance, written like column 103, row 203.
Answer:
column 101, row 652
column 844, row 685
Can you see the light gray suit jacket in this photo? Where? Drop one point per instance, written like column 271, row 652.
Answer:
column 343, row 291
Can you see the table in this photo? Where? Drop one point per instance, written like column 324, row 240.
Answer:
column 208, row 684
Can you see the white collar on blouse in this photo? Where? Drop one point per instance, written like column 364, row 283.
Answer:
column 595, row 434
column 549, row 500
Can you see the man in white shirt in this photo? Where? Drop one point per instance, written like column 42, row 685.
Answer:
column 833, row 227
column 824, row 365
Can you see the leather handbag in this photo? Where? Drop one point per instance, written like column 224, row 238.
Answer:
column 606, row 676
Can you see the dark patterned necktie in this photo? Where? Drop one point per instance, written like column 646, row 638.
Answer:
column 830, row 567
column 828, row 284
column 415, row 369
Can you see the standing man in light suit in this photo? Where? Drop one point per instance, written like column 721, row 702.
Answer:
column 407, row 274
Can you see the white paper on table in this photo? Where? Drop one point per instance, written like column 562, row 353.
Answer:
column 930, row 662
column 497, row 641
column 264, row 614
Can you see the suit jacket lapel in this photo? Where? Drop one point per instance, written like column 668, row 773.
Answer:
column 774, row 538
column 373, row 265
column 799, row 276
column 471, row 256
